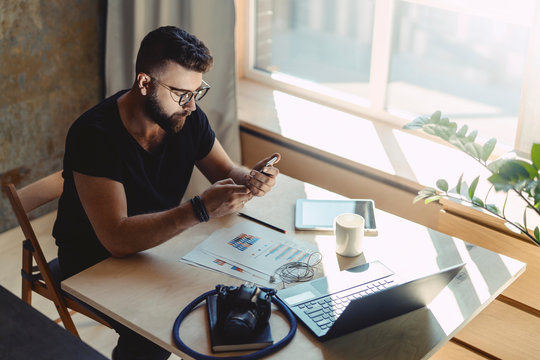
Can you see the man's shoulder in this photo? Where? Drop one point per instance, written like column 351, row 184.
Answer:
column 103, row 116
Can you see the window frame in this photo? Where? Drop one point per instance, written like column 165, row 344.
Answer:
column 374, row 108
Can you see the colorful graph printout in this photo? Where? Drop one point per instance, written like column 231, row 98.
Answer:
column 279, row 252
column 243, row 241
column 232, row 267
column 253, row 247
column 284, row 252
column 237, row 252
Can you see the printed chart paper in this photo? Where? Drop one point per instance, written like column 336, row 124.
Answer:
column 207, row 261
column 248, row 251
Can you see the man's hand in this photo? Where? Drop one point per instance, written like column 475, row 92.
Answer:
column 262, row 178
column 225, row 197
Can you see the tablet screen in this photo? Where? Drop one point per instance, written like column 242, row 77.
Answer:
column 320, row 214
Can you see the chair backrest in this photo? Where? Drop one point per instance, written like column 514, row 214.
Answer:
column 33, row 196
column 23, row 201
column 42, row 191
column 27, row 199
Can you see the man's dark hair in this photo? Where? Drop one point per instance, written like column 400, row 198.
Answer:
column 170, row 43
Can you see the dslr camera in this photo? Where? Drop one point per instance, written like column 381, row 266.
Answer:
column 242, row 310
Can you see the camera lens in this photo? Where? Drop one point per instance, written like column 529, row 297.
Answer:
column 239, row 324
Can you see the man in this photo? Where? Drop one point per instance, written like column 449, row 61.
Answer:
column 128, row 161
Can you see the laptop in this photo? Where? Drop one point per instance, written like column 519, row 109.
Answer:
column 356, row 298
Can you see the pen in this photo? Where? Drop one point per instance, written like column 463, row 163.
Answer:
column 262, row 222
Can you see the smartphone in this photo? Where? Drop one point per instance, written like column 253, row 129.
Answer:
column 269, row 163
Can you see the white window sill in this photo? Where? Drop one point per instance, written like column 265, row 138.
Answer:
column 409, row 159
column 402, row 155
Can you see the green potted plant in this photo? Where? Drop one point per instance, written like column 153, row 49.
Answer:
column 508, row 173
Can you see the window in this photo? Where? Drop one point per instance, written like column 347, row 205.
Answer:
column 328, row 43
column 395, row 59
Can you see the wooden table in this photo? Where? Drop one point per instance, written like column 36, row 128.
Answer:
column 147, row 291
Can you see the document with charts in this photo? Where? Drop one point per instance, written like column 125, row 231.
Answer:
column 250, row 251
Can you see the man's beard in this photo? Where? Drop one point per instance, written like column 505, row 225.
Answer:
column 171, row 124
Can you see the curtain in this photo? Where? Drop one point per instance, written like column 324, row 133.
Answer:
column 212, row 21
column 529, row 124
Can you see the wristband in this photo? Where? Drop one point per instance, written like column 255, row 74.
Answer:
column 203, row 209
column 199, row 209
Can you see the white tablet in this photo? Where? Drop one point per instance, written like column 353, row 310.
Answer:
column 320, row 214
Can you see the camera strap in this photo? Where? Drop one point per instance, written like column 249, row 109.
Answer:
column 255, row 355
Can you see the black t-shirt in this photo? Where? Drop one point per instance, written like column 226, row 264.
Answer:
column 99, row 145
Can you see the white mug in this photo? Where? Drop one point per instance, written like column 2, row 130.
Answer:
column 349, row 231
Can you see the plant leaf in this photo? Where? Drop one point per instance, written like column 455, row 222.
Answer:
column 428, row 191
column 430, row 129
column 471, row 150
column 525, row 217
column 418, row 198
column 537, row 196
column 477, row 201
column 488, row 148
column 537, row 235
column 494, row 166
column 441, row 132
column 521, row 185
column 472, row 188
column 514, row 170
column 442, row 185
column 493, row 208
column 535, row 155
column 432, row 198
column 472, row 136
column 417, row 123
column 435, row 117
column 463, row 130
column 458, row 186
column 448, row 130
column 454, row 140
column 531, row 186
column 451, row 128
column 479, row 150
column 533, row 172
column 500, row 183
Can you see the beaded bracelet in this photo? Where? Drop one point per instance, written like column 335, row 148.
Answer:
column 200, row 209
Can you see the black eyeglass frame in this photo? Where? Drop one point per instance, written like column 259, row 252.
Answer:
column 185, row 98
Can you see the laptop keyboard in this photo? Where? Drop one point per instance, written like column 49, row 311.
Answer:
column 324, row 311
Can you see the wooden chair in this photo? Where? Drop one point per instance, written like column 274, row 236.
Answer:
column 44, row 278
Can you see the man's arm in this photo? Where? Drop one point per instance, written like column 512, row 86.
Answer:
column 105, row 204
column 217, row 165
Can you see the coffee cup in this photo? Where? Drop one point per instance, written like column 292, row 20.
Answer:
column 349, row 231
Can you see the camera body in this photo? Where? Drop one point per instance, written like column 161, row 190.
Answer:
column 242, row 310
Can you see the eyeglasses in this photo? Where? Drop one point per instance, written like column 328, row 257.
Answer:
column 181, row 97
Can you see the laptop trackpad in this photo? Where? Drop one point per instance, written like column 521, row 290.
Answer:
column 334, row 282
column 320, row 285
column 355, row 276
column 350, row 278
